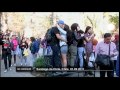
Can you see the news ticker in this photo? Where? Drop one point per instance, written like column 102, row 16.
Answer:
column 28, row 69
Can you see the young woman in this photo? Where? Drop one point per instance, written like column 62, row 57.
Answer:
column 81, row 48
column 89, row 36
column 14, row 42
column 63, row 44
column 7, row 53
column 23, row 47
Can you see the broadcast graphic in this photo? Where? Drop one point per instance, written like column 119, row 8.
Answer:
column 59, row 44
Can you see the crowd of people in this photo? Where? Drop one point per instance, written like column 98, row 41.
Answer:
column 70, row 46
column 18, row 48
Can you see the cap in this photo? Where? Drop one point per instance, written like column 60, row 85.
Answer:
column 61, row 22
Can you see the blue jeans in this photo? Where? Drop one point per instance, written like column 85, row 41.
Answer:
column 56, row 62
column 24, row 58
column 80, row 54
column 44, row 53
column 33, row 59
column 64, row 49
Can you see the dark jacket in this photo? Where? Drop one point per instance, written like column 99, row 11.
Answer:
column 72, row 38
column 34, row 47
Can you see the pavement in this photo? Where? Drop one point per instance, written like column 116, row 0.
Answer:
column 13, row 72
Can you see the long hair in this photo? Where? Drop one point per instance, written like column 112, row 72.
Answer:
column 87, row 28
column 66, row 28
column 74, row 26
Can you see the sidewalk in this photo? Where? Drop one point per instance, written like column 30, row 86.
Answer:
column 13, row 72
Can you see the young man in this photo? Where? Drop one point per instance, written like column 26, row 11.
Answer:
column 34, row 48
column 56, row 62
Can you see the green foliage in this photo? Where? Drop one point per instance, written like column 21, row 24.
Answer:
column 39, row 63
column 114, row 20
column 40, row 22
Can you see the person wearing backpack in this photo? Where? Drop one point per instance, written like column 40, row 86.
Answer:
column 7, row 53
column 55, row 46
column 14, row 42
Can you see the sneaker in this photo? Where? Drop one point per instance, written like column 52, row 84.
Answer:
column 11, row 65
column 5, row 71
column 21, row 64
column 15, row 64
column 114, row 73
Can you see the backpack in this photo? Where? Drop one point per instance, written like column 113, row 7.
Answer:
column 71, row 38
column 49, row 35
column 69, row 34
column 15, row 44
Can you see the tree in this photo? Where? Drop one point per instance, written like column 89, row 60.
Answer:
column 114, row 20
column 95, row 20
